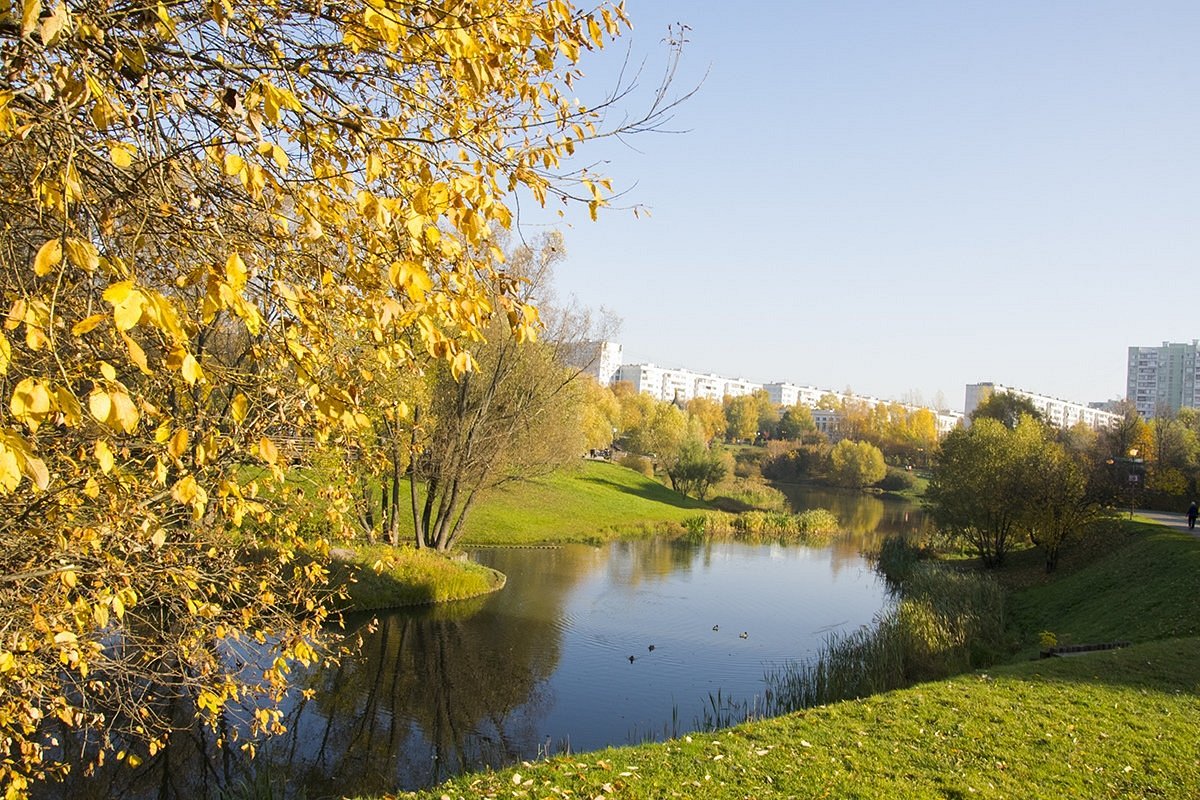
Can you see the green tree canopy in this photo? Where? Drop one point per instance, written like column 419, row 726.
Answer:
column 856, row 464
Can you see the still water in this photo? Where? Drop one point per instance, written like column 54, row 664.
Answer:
column 545, row 665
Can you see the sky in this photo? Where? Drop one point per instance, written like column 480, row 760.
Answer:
column 902, row 197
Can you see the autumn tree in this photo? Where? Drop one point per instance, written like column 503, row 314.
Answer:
column 796, row 423
column 206, row 205
column 741, row 418
column 1007, row 408
column 1056, row 506
column 709, row 415
column 856, row 464
column 695, row 467
column 517, row 414
column 981, row 481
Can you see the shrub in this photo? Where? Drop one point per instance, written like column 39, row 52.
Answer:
column 897, row 480
column 637, row 464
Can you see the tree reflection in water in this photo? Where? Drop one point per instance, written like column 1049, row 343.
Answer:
column 431, row 692
column 434, row 691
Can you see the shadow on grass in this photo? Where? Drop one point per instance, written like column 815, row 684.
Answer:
column 653, row 492
column 1167, row 666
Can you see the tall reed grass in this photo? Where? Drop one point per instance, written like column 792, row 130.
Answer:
column 943, row 622
column 813, row 524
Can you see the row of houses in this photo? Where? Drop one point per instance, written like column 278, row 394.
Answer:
column 604, row 362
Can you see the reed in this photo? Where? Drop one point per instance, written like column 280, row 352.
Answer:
column 944, row 622
column 811, row 525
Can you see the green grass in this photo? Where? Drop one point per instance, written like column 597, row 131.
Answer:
column 1146, row 588
column 594, row 502
column 1114, row 725
column 380, row 576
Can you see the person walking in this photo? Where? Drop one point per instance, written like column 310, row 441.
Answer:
column 1193, row 510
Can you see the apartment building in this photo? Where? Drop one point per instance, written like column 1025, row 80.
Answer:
column 1162, row 380
column 1056, row 411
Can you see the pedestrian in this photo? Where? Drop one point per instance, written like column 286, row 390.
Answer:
column 1193, row 510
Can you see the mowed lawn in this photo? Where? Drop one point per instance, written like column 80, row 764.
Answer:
column 591, row 502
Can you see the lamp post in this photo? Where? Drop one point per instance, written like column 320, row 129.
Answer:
column 1134, row 470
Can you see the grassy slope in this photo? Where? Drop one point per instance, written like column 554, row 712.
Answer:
column 1147, row 589
column 597, row 500
column 1114, row 724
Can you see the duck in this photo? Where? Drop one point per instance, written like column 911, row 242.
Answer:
column 743, row 635
column 716, row 627
column 632, row 659
column 651, row 648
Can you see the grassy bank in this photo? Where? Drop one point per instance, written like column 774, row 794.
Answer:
column 597, row 500
column 1122, row 723
column 379, row 577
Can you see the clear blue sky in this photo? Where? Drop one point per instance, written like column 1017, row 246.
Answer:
column 906, row 197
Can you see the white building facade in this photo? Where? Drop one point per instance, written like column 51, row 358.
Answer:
column 601, row 360
column 1056, row 411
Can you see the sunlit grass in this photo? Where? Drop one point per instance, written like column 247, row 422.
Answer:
column 380, row 576
column 593, row 502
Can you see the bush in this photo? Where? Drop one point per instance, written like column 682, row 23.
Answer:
column 897, row 480
column 637, row 464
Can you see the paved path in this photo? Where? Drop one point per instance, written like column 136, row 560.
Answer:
column 1176, row 521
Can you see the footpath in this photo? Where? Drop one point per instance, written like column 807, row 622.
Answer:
column 1171, row 520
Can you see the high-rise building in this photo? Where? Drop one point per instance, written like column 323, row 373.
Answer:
column 1162, row 380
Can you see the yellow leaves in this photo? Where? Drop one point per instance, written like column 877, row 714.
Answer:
column 31, row 403
column 104, row 456
column 190, row 369
column 178, row 444
column 82, row 254
column 233, row 164
column 48, row 257
column 121, row 154
column 412, row 278
column 236, row 272
column 239, row 407
column 127, row 302
column 87, row 324
column 267, row 451
column 114, row 408
column 276, row 98
column 188, row 492
column 5, row 354
column 462, row 364
column 30, row 13
column 277, row 154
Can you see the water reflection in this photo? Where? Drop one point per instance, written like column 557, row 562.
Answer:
column 543, row 664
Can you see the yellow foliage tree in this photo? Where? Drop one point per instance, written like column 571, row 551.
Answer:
column 203, row 203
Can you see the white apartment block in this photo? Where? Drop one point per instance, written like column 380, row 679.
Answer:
column 601, row 360
column 1057, row 412
column 1161, row 380
column 682, row 385
column 787, row 394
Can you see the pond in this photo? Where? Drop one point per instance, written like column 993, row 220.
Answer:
column 585, row 647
